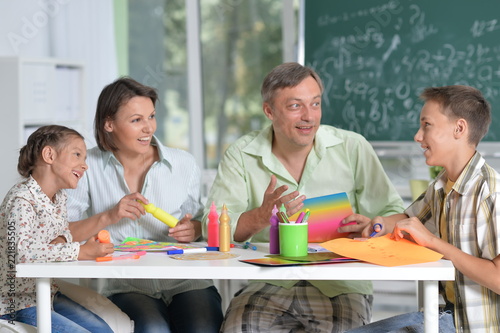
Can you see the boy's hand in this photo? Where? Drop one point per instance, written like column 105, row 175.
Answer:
column 364, row 226
column 378, row 225
column 93, row 249
column 413, row 227
column 185, row 230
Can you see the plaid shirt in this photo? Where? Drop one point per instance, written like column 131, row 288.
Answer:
column 473, row 227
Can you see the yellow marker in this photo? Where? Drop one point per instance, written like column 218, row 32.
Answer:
column 160, row 214
column 224, row 231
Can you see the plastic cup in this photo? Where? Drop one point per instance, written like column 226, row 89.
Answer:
column 293, row 239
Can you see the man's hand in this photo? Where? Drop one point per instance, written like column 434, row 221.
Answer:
column 354, row 224
column 255, row 220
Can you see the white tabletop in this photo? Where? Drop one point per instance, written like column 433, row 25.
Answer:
column 160, row 265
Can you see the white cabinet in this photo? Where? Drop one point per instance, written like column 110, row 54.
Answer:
column 33, row 93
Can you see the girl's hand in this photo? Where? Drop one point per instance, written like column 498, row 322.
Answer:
column 93, row 249
column 184, row 231
column 59, row 239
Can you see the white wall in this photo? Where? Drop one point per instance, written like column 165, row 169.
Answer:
column 76, row 30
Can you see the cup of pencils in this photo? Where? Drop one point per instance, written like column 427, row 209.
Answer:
column 293, row 239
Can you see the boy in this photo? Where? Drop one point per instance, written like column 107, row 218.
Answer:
column 457, row 214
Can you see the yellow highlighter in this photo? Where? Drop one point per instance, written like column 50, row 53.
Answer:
column 160, row 214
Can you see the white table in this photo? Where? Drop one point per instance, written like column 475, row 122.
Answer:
column 160, row 266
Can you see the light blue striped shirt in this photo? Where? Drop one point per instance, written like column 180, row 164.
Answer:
column 172, row 183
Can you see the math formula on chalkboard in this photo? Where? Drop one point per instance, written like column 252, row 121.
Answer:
column 375, row 58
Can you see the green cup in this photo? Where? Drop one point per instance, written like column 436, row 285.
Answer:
column 293, row 239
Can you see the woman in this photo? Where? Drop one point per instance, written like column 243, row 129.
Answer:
column 130, row 164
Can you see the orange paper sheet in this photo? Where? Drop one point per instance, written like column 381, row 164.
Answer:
column 382, row 251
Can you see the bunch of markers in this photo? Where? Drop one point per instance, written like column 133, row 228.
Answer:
column 279, row 216
column 219, row 234
column 247, row 245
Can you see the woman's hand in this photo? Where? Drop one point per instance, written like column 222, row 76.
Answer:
column 128, row 207
column 186, row 230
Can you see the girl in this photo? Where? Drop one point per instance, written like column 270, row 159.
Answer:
column 34, row 228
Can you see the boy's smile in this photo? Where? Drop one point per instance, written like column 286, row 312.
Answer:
column 435, row 135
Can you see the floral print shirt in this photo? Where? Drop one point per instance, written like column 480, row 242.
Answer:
column 29, row 221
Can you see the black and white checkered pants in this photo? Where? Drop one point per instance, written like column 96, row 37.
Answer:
column 261, row 307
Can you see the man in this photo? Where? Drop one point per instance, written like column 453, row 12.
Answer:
column 301, row 158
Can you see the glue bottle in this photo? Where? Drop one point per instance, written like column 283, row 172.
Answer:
column 274, row 238
column 160, row 214
column 213, row 227
column 224, row 231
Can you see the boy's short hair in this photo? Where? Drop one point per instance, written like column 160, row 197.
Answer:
column 463, row 102
column 289, row 74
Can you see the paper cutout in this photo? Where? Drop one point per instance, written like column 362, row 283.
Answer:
column 311, row 257
column 326, row 213
column 132, row 255
column 132, row 244
column 383, row 251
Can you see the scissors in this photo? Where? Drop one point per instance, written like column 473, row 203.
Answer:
column 374, row 231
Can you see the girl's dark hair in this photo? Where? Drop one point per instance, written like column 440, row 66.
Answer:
column 111, row 98
column 52, row 135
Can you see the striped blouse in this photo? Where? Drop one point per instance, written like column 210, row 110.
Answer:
column 172, row 183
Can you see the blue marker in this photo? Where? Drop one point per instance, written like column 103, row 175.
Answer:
column 375, row 231
column 250, row 246
column 194, row 250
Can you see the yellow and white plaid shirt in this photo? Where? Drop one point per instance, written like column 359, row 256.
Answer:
column 473, row 227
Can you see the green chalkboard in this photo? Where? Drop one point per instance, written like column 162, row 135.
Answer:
column 375, row 57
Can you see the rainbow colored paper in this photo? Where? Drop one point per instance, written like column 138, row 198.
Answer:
column 326, row 213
